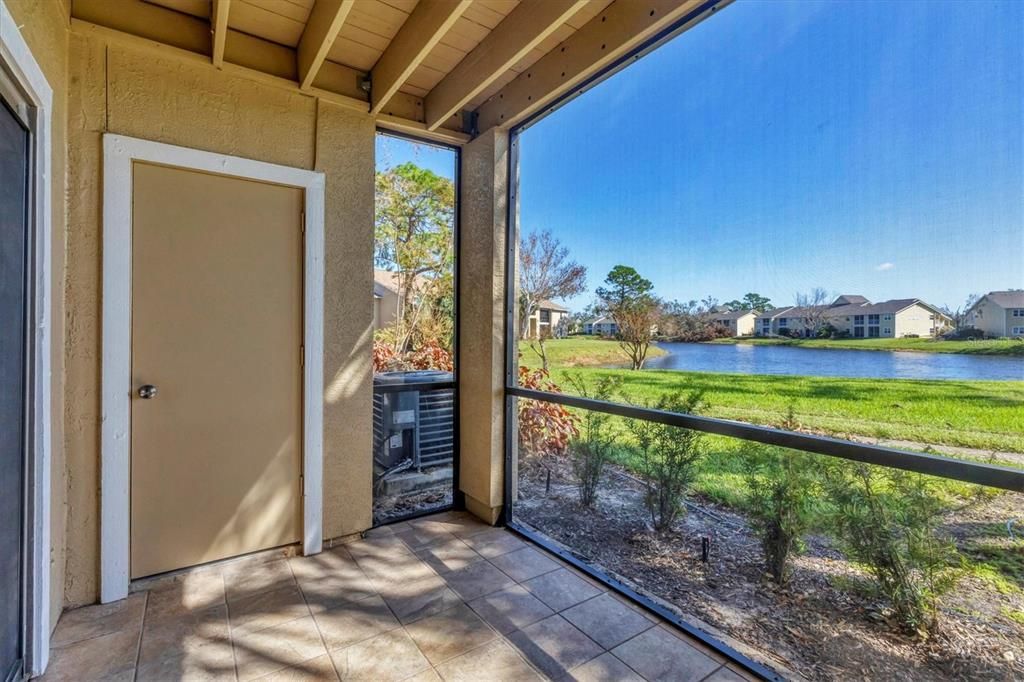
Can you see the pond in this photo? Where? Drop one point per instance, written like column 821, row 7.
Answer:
column 744, row 358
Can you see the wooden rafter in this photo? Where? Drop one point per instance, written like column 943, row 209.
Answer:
column 420, row 33
column 325, row 21
column 518, row 33
column 219, row 28
column 620, row 29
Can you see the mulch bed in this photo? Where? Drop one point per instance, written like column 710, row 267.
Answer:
column 824, row 625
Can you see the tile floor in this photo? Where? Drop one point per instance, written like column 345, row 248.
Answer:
column 440, row 598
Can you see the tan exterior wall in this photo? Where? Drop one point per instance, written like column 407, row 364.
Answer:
column 44, row 27
column 913, row 320
column 483, row 194
column 156, row 95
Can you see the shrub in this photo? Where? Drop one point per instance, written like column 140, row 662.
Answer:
column 544, row 428
column 780, row 502
column 427, row 356
column 668, row 459
column 592, row 449
column 887, row 521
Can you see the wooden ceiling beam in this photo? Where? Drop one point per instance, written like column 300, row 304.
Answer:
column 219, row 28
column 325, row 21
column 420, row 33
column 623, row 27
column 529, row 24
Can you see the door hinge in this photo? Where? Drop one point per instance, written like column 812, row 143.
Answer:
column 303, row 222
column 302, row 485
column 302, row 356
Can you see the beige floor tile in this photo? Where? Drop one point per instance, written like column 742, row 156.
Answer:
column 449, row 555
column 424, row 534
column 389, row 657
column 428, row 675
column 494, row 661
column 494, row 542
column 313, row 670
column 465, row 526
column 476, row 580
column 352, row 623
column 389, row 566
column 561, row 589
column 276, row 648
column 213, row 661
column 102, row 619
column 554, row 646
column 185, row 635
column 184, row 593
column 110, row 656
column 510, row 609
column 246, row 580
column 329, row 581
column 449, row 634
column 723, row 674
column 524, row 564
column 267, row 609
column 412, row 601
column 604, row 668
column 607, row 621
column 658, row 655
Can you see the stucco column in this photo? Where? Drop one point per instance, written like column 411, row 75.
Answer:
column 483, row 201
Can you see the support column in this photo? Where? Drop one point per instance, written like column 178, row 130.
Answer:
column 483, row 205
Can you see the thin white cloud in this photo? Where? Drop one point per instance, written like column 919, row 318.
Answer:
column 882, row 267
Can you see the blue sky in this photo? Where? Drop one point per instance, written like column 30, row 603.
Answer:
column 865, row 147
column 869, row 147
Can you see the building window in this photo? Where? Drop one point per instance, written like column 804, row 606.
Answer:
column 1018, row 312
column 887, row 317
column 858, row 332
column 783, row 322
column 887, row 331
column 872, row 319
column 873, row 332
column 858, row 319
column 1017, row 331
column 545, row 316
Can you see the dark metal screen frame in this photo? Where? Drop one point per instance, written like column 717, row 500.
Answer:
column 971, row 472
column 458, row 497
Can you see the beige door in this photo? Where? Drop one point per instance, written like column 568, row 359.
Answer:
column 217, row 329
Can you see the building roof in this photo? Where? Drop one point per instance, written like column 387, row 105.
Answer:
column 551, row 305
column 860, row 306
column 731, row 314
column 1004, row 299
column 601, row 320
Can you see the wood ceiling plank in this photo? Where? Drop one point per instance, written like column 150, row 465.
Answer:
column 291, row 10
column 620, row 29
column 325, row 21
column 195, row 8
column 354, row 54
column 521, row 31
column 428, row 23
column 257, row 21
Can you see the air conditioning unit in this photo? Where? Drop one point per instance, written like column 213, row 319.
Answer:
column 412, row 428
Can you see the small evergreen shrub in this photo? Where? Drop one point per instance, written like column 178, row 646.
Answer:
column 592, row 449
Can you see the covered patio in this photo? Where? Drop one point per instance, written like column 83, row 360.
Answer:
column 442, row 597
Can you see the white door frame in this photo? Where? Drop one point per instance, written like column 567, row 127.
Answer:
column 24, row 82
column 119, row 153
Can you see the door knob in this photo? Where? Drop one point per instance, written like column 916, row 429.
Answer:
column 147, row 392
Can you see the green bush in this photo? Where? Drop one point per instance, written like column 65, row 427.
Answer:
column 668, row 458
column 782, row 491
column 592, row 449
column 887, row 520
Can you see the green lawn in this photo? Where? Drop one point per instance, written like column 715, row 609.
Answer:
column 975, row 414
column 579, row 351
column 988, row 347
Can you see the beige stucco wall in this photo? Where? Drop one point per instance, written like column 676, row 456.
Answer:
column 483, row 198
column 43, row 25
column 913, row 320
column 156, row 95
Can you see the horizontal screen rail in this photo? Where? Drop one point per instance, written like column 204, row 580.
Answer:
column 970, row 472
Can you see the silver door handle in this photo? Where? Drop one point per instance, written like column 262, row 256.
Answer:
column 147, row 392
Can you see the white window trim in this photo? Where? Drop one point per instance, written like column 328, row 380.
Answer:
column 17, row 62
column 119, row 153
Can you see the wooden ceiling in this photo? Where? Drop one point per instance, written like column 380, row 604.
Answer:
column 416, row 64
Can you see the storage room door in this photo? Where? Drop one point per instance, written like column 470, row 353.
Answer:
column 216, row 367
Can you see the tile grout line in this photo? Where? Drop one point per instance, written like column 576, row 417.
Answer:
column 231, row 628
column 316, row 625
column 142, row 629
